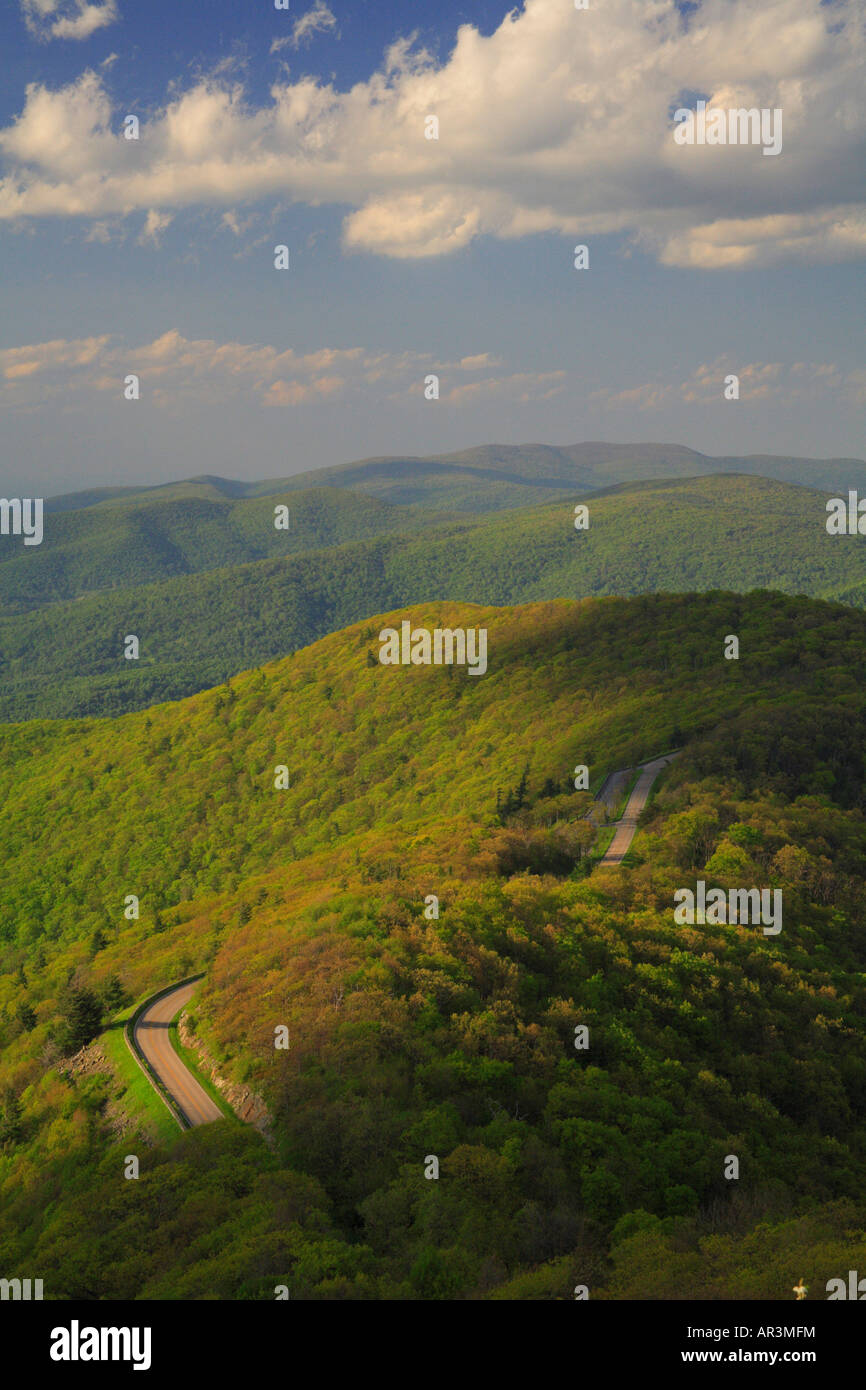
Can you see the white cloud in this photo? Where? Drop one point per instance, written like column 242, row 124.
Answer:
column 67, row 19
column 59, row 353
column 785, row 384
column 238, row 226
column 318, row 20
column 519, row 388
column 99, row 232
column 173, row 368
column 154, row 225
column 559, row 121
column 479, row 361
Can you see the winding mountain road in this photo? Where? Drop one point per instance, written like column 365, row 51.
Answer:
column 624, row 833
column 609, row 794
column 152, row 1037
column 152, row 1029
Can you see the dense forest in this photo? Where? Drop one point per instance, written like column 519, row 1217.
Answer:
column 198, row 629
column 114, row 538
column 453, row 1036
column 139, row 541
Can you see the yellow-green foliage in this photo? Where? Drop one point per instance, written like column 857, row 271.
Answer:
column 453, row 1036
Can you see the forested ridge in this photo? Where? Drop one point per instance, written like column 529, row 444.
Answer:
column 490, row 477
column 728, row 531
column 455, row 1036
column 141, row 540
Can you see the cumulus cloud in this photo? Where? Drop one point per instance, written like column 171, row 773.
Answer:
column 49, row 357
column 67, row 19
column 559, row 121
column 173, row 368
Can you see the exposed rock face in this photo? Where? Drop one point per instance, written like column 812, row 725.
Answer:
column 92, row 1061
column 245, row 1103
column 117, row 1120
column 88, row 1061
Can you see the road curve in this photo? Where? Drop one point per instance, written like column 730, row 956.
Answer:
column 624, row 833
column 609, row 794
column 152, row 1037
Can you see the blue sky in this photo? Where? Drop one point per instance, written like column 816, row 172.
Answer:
column 157, row 43
column 409, row 256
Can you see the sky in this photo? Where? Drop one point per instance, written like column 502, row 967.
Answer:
column 411, row 257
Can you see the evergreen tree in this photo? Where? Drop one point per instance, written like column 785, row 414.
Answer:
column 114, row 996
column 520, row 794
column 11, row 1122
column 26, row 1017
column 82, row 1019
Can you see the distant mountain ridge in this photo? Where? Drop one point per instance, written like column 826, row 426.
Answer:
column 727, row 531
column 492, row 477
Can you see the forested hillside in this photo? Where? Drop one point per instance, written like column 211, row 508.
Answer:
column 454, row 1036
column 733, row 532
column 134, row 542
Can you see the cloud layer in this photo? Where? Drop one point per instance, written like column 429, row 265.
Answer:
column 560, row 121
column 173, row 369
column 783, row 384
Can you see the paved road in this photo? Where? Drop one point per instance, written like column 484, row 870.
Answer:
column 609, row 794
column 151, row 1035
column 624, row 833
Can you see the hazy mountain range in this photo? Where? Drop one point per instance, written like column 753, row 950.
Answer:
column 494, row 476
column 210, row 587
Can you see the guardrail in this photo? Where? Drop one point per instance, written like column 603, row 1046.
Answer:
column 167, row 1099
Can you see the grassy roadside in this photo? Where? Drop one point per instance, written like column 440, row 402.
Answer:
column 602, row 844
column 653, row 791
column 137, row 1098
column 191, row 1061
